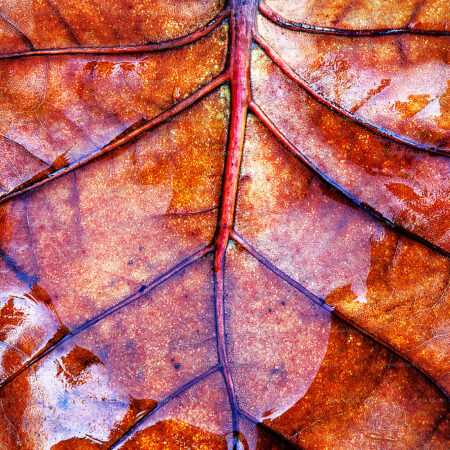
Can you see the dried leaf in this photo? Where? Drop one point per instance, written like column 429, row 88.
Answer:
column 224, row 226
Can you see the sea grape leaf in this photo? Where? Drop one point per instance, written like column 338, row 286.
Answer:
column 224, row 225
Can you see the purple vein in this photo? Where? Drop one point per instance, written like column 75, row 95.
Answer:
column 143, row 290
column 115, row 143
column 151, row 47
column 303, row 27
column 306, row 292
column 164, row 402
column 258, row 256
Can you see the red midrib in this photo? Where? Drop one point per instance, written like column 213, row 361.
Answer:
column 242, row 18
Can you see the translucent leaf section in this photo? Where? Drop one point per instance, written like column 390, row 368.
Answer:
column 95, row 386
column 391, row 286
column 277, row 338
column 97, row 235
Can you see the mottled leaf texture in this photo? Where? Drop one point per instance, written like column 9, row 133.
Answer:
column 224, row 225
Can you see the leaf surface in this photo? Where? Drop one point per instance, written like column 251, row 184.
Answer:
column 224, row 225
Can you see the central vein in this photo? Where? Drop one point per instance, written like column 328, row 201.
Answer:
column 242, row 17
